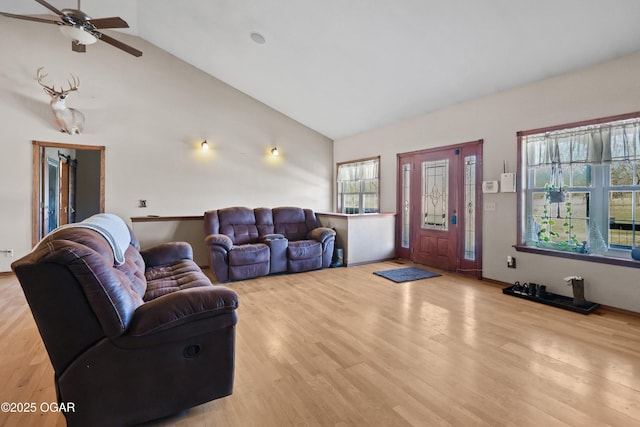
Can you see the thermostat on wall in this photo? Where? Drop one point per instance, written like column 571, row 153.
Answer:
column 508, row 182
column 489, row 186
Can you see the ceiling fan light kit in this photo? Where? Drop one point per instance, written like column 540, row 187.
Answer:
column 77, row 34
column 80, row 28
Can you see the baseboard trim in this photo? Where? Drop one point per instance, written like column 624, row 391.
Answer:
column 354, row 264
column 620, row 310
column 494, row 282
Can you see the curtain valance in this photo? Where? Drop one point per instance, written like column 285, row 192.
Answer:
column 614, row 141
column 367, row 169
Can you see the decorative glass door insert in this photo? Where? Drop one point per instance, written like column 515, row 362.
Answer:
column 470, row 208
column 406, row 205
column 435, row 192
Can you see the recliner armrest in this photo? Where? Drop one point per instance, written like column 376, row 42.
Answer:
column 181, row 307
column 321, row 234
column 167, row 253
column 219, row 240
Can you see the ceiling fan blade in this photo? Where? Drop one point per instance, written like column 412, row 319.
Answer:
column 113, row 22
column 51, row 8
column 113, row 42
column 77, row 47
column 31, row 18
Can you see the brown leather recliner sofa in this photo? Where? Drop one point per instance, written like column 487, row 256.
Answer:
column 133, row 337
column 245, row 243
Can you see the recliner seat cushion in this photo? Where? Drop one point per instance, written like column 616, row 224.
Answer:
column 171, row 278
column 249, row 254
column 249, row 261
column 304, row 249
column 304, row 255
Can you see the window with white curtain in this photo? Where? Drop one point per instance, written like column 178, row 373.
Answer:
column 581, row 187
column 358, row 186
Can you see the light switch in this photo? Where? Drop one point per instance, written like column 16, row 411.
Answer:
column 490, row 206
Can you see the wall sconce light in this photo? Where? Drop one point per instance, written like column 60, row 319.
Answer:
column 274, row 151
column 205, row 145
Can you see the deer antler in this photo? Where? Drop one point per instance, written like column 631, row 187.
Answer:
column 39, row 77
column 75, row 85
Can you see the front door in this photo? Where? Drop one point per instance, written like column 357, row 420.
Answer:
column 435, row 211
column 438, row 205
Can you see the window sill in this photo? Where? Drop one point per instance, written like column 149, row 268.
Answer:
column 603, row 259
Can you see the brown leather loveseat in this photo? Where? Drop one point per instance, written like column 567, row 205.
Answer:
column 132, row 336
column 244, row 243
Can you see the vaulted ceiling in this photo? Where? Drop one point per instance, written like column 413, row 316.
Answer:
column 344, row 67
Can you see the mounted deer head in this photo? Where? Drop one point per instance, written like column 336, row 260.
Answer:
column 68, row 120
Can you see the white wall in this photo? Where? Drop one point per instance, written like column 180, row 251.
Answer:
column 151, row 114
column 364, row 238
column 607, row 89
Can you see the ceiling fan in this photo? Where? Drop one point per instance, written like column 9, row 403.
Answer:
column 80, row 28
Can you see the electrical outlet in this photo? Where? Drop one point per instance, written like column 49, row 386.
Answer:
column 511, row 262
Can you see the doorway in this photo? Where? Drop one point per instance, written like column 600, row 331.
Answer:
column 67, row 185
column 439, row 202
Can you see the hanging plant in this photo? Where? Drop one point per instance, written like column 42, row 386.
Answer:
column 568, row 225
column 546, row 232
column 549, row 238
column 554, row 194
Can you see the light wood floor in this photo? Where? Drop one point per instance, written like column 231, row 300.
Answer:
column 343, row 347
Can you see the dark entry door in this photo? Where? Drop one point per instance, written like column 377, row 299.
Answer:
column 439, row 215
column 435, row 211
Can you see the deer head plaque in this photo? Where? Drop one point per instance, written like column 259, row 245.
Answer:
column 68, row 119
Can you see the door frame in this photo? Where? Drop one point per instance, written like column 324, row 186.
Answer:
column 63, row 208
column 472, row 268
column 49, row 206
column 37, row 158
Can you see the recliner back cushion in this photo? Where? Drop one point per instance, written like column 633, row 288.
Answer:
column 113, row 292
column 264, row 221
column 290, row 222
column 211, row 222
column 239, row 224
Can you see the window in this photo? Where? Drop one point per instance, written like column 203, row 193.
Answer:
column 358, row 190
column 580, row 190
